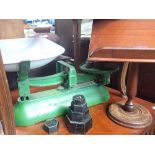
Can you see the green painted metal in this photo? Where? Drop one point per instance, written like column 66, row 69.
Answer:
column 85, row 77
column 36, row 107
column 23, row 82
column 47, row 81
column 70, row 75
column 52, row 103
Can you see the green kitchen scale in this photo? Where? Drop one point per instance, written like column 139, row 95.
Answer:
column 32, row 108
column 22, row 55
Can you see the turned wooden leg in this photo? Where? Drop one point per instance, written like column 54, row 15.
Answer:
column 132, row 84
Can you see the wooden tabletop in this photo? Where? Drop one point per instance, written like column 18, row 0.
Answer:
column 123, row 40
column 101, row 123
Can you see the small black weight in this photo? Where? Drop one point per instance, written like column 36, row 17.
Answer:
column 78, row 119
column 51, row 125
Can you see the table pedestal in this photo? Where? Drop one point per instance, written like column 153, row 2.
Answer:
column 130, row 114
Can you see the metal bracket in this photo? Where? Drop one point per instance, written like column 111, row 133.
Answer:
column 66, row 75
column 23, row 81
column 70, row 74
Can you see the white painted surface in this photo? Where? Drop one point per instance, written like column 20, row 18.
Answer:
column 40, row 51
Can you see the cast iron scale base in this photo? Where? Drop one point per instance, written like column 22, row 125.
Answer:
column 130, row 114
column 32, row 108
